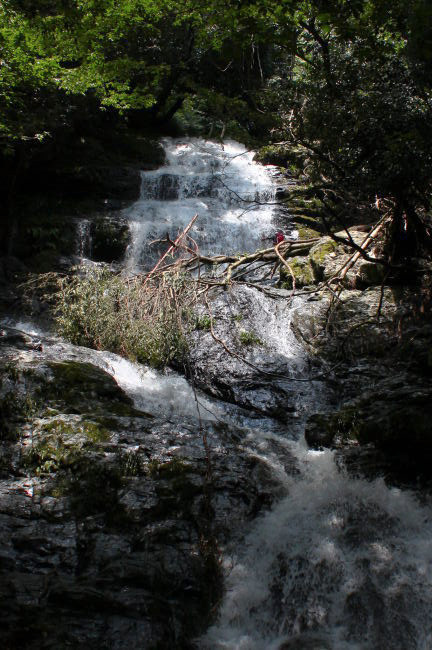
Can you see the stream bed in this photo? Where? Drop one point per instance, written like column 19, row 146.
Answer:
column 140, row 511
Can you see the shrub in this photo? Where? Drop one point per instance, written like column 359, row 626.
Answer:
column 142, row 320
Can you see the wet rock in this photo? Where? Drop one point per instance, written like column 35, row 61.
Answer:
column 358, row 324
column 108, row 519
column 254, row 365
column 322, row 430
column 396, row 417
column 110, row 237
column 78, row 384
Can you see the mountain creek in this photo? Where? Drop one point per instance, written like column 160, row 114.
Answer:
column 277, row 497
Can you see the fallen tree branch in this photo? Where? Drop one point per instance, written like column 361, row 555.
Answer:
column 170, row 249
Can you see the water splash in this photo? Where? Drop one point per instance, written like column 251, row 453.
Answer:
column 233, row 196
column 84, row 239
column 169, row 395
column 338, row 563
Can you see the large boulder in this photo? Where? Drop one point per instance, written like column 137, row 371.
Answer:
column 396, row 417
column 110, row 517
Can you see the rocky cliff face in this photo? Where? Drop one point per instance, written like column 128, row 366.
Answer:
column 375, row 333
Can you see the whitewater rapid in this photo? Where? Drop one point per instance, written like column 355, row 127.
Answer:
column 338, row 562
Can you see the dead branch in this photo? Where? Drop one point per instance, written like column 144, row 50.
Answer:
column 171, row 248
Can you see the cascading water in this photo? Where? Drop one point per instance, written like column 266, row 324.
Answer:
column 338, row 563
column 84, row 242
column 233, row 197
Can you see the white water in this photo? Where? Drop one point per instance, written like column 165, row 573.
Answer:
column 338, row 563
column 84, row 239
column 169, row 395
column 232, row 196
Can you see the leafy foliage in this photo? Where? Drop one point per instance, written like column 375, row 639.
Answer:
column 142, row 321
column 348, row 83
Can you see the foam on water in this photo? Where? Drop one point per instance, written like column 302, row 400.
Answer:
column 232, row 196
column 168, row 395
column 338, row 563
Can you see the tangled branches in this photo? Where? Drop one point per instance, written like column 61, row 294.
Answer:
column 108, row 311
column 147, row 317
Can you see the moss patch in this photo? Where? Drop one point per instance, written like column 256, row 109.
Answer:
column 76, row 384
column 317, row 256
column 302, row 271
column 288, row 158
column 307, row 233
column 249, row 338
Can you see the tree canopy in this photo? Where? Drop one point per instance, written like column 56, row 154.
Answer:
column 348, row 81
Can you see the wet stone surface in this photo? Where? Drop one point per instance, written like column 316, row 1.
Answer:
column 110, row 523
column 257, row 362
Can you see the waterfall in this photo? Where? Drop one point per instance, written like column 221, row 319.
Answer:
column 233, row 197
column 84, row 241
column 336, row 563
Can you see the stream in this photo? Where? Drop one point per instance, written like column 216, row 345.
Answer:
column 327, row 560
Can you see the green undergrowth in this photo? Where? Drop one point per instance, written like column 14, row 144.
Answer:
column 102, row 309
column 249, row 338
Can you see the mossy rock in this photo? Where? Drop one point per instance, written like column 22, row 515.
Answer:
column 317, row 256
column 314, row 223
column 305, row 232
column 82, row 387
column 280, row 156
column 302, row 271
column 369, row 274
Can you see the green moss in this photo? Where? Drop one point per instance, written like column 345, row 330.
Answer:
column 78, row 385
column 48, row 456
column 302, row 271
column 94, row 432
column 318, row 254
column 203, row 322
column 307, row 233
column 249, row 338
column 308, row 221
column 281, row 156
column 60, row 442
